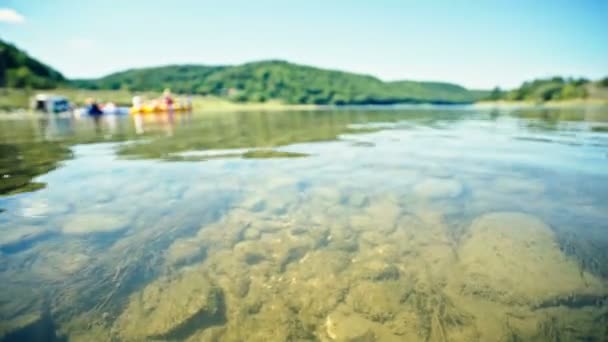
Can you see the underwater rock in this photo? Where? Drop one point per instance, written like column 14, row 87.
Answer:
column 571, row 326
column 274, row 321
column 347, row 326
column 322, row 263
column 22, row 238
column 356, row 199
column 574, row 301
column 82, row 224
column 251, row 234
column 317, row 284
column 270, row 203
column 233, row 227
column 59, row 264
column 436, row 188
column 514, row 258
column 251, row 252
column 380, row 215
column 437, row 317
column 378, row 302
column 292, row 254
column 327, row 195
column 372, row 238
column 184, row 251
column 342, row 238
column 173, row 308
column 375, row 270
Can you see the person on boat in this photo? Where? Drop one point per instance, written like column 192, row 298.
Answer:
column 168, row 100
column 137, row 118
column 95, row 112
column 136, row 102
column 110, row 108
column 189, row 102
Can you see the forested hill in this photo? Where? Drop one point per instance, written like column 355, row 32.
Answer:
column 253, row 82
column 19, row 70
column 554, row 89
column 292, row 83
column 288, row 82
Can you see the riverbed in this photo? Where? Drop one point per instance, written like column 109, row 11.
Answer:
column 429, row 223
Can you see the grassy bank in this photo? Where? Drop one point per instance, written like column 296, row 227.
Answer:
column 15, row 99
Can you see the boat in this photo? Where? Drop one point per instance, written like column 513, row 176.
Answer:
column 49, row 103
column 152, row 109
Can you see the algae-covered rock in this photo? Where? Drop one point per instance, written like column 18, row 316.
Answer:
column 184, row 251
column 342, row 238
column 374, row 270
column 379, row 302
column 271, row 326
column 356, row 199
column 514, row 258
column 317, row 285
column 173, row 308
column 346, row 326
column 437, row 317
column 251, row 234
column 60, row 264
column 380, row 215
column 436, row 188
column 83, row 224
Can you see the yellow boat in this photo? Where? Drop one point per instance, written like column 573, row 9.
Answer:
column 151, row 109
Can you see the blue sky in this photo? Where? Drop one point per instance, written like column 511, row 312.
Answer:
column 478, row 44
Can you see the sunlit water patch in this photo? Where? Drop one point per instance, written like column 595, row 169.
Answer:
column 410, row 224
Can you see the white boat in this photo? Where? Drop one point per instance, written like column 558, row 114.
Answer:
column 50, row 103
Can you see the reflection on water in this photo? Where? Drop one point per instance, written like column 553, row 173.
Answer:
column 390, row 225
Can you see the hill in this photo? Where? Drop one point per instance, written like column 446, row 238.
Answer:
column 250, row 82
column 553, row 89
column 291, row 83
column 19, row 70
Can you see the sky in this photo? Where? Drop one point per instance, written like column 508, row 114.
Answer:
column 475, row 43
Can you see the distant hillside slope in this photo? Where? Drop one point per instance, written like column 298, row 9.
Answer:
column 292, row 83
column 554, row 89
column 180, row 78
column 19, row 70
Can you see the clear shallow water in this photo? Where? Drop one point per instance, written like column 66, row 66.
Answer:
column 357, row 225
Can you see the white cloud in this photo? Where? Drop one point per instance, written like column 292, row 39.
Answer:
column 8, row 15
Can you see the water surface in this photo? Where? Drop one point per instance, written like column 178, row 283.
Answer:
column 363, row 224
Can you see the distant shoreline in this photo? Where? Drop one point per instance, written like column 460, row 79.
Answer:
column 15, row 101
column 547, row 104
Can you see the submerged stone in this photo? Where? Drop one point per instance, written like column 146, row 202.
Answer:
column 436, row 188
column 173, row 308
column 57, row 265
column 94, row 223
column 184, row 252
column 251, row 234
column 514, row 258
column 380, row 215
column 347, row 326
column 378, row 302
